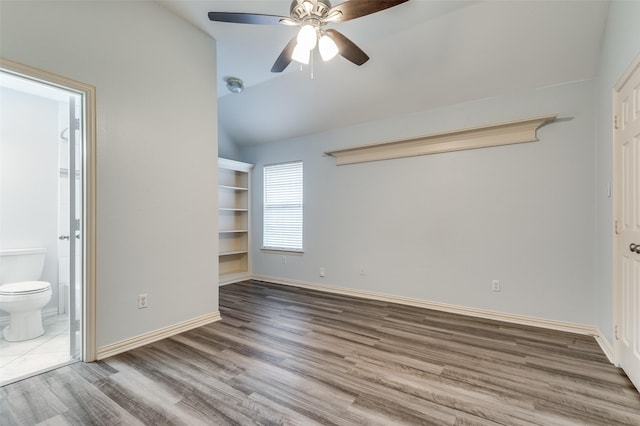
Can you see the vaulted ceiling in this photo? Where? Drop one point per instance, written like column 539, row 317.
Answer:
column 424, row 54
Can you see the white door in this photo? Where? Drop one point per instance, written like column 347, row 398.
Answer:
column 627, row 242
column 70, row 215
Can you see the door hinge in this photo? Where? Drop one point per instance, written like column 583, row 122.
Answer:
column 615, row 122
column 617, row 230
column 615, row 332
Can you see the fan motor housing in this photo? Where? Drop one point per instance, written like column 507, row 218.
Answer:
column 319, row 9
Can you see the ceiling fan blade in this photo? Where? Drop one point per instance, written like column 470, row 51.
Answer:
column 284, row 59
column 348, row 49
column 357, row 8
column 246, row 18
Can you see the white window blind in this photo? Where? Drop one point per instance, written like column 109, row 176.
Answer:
column 283, row 206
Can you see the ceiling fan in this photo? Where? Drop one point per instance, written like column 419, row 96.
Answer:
column 312, row 16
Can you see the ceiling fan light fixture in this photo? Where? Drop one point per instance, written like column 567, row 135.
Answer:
column 328, row 48
column 312, row 16
column 307, row 37
column 301, row 54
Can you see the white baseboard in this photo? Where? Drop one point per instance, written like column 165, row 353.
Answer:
column 153, row 336
column 233, row 278
column 606, row 347
column 445, row 307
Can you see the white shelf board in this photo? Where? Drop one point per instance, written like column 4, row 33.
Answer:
column 230, row 253
column 511, row 132
column 233, row 188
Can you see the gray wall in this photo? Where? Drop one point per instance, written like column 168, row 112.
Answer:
column 227, row 148
column 441, row 227
column 621, row 45
column 155, row 77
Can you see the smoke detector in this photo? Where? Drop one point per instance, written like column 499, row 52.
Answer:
column 234, row 84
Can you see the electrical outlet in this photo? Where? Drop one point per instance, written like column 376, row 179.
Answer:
column 495, row 285
column 322, row 272
column 284, row 259
column 362, row 270
column 142, row 301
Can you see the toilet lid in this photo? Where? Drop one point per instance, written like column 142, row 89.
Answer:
column 24, row 287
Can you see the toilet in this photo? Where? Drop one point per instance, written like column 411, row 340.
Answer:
column 21, row 294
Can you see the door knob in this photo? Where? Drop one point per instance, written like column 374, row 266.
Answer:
column 63, row 237
column 634, row 248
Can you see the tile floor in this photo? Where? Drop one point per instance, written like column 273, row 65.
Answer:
column 22, row 359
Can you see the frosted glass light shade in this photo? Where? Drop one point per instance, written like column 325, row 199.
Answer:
column 300, row 54
column 327, row 47
column 307, row 37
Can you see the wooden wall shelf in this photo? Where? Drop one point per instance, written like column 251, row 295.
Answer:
column 477, row 137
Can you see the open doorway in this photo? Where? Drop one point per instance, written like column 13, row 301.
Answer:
column 46, row 212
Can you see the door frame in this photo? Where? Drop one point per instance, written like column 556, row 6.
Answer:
column 617, row 308
column 88, row 351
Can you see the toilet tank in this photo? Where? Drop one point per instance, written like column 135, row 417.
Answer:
column 21, row 264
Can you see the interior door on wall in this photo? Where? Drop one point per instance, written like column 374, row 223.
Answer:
column 627, row 152
column 75, row 226
column 70, row 260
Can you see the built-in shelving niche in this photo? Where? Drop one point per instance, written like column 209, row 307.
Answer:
column 234, row 252
column 511, row 132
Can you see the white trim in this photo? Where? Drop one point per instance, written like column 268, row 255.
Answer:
column 511, row 132
column 438, row 306
column 153, row 336
column 90, row 161
column 225, row 163
column 281, row 251
column 606, row 347
column 233, row 278
column 627, row 74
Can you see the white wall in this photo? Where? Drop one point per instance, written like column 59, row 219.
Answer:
column 155, row 77
column 29, row 177
column 441, row 227
column 620, row 46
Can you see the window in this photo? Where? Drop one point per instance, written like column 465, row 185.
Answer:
column 283, row 207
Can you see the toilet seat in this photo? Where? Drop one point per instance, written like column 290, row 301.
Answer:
column 24, row 287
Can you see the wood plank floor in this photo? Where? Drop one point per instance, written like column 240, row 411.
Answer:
column 290, row 356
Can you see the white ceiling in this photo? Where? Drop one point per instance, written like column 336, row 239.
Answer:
column 424, row 54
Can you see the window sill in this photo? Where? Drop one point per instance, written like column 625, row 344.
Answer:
column 282, row 251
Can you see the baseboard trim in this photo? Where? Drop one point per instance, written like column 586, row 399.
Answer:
column 606, row 347
column 438, row 306
column 233, row 278
column 154, row 336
